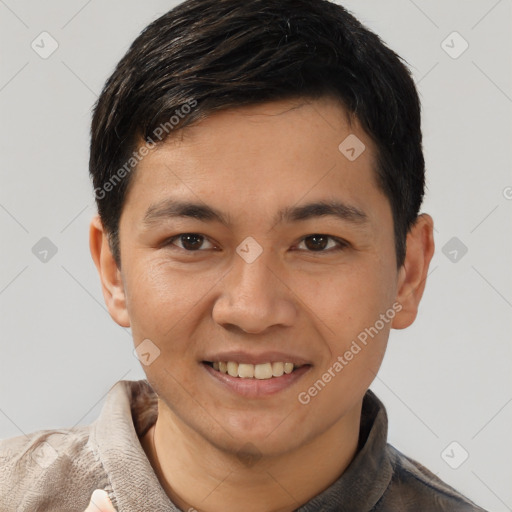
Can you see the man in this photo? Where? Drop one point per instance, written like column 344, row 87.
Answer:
column 258, row 172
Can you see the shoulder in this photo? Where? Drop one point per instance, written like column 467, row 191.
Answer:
column 49, row 470
column 414, row 487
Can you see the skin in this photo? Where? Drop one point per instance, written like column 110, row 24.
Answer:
column 216, row 449
column 100, row 502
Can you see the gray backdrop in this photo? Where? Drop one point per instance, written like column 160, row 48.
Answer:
column 446, row 381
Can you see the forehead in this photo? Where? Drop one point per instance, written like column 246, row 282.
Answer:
column 264, row 157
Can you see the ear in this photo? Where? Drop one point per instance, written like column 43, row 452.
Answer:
column 110, row 275
column 412, row 275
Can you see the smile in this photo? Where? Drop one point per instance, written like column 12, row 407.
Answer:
column 261, row 371
column 257, row 379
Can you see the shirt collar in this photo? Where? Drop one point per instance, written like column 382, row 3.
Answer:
column 131, row 409
column 368, row 475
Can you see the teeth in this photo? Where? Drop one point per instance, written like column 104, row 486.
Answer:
column 233, row 369
column 246, row 371
column 277, row 369
column 263, row 371
column 257, row 371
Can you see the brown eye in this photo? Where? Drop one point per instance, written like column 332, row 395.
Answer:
column 319, row 243
column 188, row 241
column 316, row 242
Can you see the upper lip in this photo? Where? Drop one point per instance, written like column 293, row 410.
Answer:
column 253, row 358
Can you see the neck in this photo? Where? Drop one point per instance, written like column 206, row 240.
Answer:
column 197, row 475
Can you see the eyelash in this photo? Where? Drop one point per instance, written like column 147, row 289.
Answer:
column 342, row 244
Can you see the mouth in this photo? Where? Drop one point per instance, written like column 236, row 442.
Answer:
column 255, row 375
column 261, row 371
column 258, row 380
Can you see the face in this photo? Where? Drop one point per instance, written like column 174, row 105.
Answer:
column 251, row 239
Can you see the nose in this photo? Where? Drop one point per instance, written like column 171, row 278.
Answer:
column 254, row 298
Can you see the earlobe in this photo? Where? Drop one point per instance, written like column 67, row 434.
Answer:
column 110, row 275
column 413, row 274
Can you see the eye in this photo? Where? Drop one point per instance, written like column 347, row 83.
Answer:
column 194, row 242
column 321, row 243
column 189, row 241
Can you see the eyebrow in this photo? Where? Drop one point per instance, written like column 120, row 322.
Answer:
column 170, row 208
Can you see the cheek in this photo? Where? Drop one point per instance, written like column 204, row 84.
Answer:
column 162, row 301
column 364, row 321
column 350, row 306
column 348, row 299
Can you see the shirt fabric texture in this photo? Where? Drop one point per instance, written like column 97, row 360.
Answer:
column 57, row 470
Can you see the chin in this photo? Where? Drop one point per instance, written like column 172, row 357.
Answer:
column 272, row 435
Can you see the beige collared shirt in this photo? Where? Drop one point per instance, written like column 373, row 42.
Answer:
column 57, row 470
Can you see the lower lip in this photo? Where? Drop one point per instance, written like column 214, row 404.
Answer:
column 257, row 388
